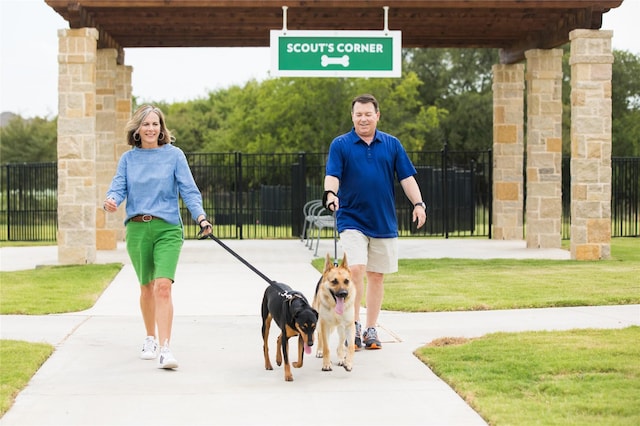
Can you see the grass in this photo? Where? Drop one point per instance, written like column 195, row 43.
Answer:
column 429, row 285
column 578, row 377
column 20, row 361
column 54, row 289
column 46, row 290
column 575, row 377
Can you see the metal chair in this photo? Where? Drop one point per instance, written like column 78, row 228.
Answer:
column 321, row 221
column 307, row 211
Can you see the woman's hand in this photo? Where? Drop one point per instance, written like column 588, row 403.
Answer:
column 205, row 228
column 109, row 205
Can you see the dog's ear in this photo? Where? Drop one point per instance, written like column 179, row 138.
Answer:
column 328, row 264
column 344, row 264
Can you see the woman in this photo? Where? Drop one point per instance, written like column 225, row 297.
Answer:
column 151, row 177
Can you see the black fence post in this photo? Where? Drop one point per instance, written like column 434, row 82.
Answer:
column 239, row 192
column 445, row 198
column 298, row 193
column 490, row 191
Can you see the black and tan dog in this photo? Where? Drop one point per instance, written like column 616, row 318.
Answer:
column 334, row 300
column 295, row 317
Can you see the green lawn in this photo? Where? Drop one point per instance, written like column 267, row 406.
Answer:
column 20, row 361
column 577, row 377
column 54, row 289
column 427, row 285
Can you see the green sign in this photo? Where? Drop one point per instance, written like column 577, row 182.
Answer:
column 336, row 53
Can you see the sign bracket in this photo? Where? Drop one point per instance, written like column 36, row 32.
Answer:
column 386, row 20
column 284, row 19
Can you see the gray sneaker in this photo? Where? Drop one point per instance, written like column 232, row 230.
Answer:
column 371, row 339
column 149, row 348
column 358, row 341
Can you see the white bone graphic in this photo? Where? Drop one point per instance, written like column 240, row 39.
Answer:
column 326, row 60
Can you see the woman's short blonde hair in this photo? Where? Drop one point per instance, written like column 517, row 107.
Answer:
column 138, row 117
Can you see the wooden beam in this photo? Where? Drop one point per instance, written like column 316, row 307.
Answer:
column 512, row 25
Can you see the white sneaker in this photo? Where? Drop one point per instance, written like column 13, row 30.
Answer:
column 166, row 359
column 149, row 348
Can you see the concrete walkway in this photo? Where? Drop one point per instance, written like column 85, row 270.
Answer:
column 95, row 376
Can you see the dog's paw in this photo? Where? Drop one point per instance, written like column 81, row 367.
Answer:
column 345, row 364
column 296, row 364
column 288, row 378
column 319, row 354
column 326, row 367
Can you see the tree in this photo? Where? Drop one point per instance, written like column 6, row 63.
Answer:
column 625, row 104
column 29, row 141
column 458, row 83
column 444, row 95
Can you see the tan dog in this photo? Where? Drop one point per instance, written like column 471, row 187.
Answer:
column 334, row 300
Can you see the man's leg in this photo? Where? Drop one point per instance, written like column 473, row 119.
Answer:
column 357, row 275
column 375, row 294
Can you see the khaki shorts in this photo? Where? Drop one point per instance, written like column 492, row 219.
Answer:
column 379, row 254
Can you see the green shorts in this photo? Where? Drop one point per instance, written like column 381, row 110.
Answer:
column 154, row 248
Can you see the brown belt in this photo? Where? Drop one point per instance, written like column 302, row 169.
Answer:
column 143, row 218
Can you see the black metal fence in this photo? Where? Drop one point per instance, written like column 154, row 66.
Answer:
column 29, row 202
column 261, row 196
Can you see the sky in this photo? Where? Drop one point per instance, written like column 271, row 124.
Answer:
column 29, row 64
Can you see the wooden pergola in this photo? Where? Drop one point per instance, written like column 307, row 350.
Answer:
column 95, row 97
column 514, row 26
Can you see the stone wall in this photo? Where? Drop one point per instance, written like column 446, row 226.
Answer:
column 77, row 56
column 94, row 96
column 543, row 217
column 508, row 151
column 591, row 59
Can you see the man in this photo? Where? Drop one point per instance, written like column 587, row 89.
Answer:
column 359, row 187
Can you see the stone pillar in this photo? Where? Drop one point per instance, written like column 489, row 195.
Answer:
column 543, row 216
column 106, row 76
column 123, row 115
column 591, row 60
column 77, row 145
column 508, row 151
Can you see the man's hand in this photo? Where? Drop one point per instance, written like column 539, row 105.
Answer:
column 419, row 215
column 330, row 200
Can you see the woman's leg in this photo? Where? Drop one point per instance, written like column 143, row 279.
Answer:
column 163, row 309
column 148, row 308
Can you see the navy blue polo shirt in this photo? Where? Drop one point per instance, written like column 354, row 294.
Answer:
column 367, row 174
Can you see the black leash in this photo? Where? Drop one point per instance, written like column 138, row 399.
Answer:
column 241, row 259
column 335, row 240
column 335, row 223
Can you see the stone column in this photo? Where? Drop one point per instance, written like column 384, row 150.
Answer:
column 123, row 115
column 543, row 216
column 508, row 151
column 591, row 60
column 77, row 145
column 106, row 75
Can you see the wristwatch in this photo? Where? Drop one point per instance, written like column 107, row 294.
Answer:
column 421, row 204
